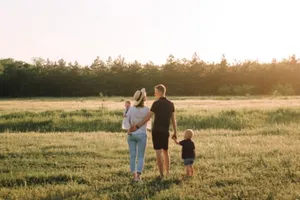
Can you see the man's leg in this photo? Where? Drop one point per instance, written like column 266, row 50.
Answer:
column 159, row 161
column 166, row 161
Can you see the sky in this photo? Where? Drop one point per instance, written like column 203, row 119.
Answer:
column 149, row 30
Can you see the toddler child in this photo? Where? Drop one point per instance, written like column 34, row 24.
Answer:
column 188, row 151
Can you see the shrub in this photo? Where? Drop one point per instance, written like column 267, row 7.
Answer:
column 243, row 89
column 283, row 89
column 236, row 90
column 225, row 90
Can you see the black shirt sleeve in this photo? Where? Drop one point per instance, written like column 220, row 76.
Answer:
column 154, row 107
column 181, row 142
column 173, row 107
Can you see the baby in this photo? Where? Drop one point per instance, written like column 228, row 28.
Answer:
column 188, row 151
column 127, row 107
column 125, row 123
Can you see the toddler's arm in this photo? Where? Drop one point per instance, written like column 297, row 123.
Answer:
column 175, row 140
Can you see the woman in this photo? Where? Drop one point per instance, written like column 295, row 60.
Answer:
column 137, row 140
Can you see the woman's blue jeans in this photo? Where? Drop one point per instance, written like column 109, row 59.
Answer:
column 137, row 146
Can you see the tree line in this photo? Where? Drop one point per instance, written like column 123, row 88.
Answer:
column 117, row 77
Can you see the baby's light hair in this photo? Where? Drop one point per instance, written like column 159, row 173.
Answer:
column 188, row 134
column 128, row 102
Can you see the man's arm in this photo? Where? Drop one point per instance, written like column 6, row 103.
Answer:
column 141, row 123
column 146, row 119
column 174, row 123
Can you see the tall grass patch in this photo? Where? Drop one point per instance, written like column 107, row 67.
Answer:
column 110, row 120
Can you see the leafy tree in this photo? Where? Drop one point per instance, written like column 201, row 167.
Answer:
column 119, row 77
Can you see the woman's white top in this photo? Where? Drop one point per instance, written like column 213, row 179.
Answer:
column 134, row 116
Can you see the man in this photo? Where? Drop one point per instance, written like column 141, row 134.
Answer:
column 164, row 113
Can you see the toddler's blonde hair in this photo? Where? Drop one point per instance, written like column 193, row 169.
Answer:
column 188, row 134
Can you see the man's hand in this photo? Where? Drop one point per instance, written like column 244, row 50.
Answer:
column 174, row 136
column 175, row 140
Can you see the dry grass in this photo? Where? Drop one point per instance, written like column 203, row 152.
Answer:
column 219, row 103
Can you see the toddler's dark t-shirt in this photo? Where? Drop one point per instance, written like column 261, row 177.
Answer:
column 188, row 148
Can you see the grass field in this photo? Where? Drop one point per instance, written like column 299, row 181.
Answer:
column 247, row 148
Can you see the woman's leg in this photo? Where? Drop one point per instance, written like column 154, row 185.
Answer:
column 142, row 143
column 132, row 150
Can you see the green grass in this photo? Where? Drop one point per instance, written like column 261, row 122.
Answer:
column 109, row 120
column 249, row 164
column 61, row 121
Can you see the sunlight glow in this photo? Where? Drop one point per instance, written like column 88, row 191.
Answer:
column 149, row 30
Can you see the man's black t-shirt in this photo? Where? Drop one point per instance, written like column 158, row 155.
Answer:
column 188, row 148
column 162, row 109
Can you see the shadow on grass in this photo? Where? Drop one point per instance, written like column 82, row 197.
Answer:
column 226, row 182
column 51, row 154
column 65, row 195
column 137, row 191
column 59, row 147
column 41, row 180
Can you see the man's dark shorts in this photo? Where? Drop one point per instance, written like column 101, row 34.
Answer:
column 160, row 140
